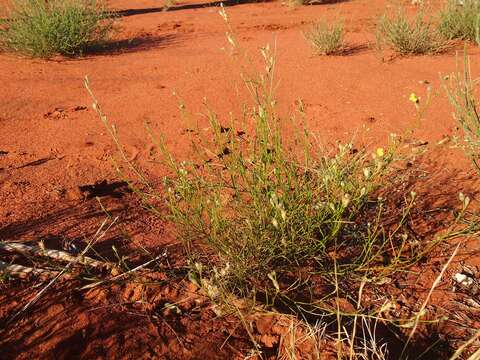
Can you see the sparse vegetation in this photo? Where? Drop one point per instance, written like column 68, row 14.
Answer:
column 328, row 240
column 285, row 225
column 267, row 217
column 406, row 36
column 41, row 28
column 460, row 20
column 326, row 39
column 461, row 90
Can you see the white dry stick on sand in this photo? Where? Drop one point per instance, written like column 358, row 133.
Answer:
column 53, row 254
column 98, row 235
column 24, row 271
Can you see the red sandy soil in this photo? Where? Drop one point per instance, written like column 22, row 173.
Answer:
column 53, row 145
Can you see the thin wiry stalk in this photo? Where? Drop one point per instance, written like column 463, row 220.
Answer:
column 420, row 313
column 460, row 88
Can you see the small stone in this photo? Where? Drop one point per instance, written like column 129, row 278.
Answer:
column 463, row 279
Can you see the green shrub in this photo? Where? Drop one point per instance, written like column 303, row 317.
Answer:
column 42, row 28
column 269, row 216
column 460, row 20
column 326, row 39
column 409, row 37
column 461, row 92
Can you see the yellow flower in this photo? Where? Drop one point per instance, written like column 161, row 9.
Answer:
column 414, row 98
column 380, row 152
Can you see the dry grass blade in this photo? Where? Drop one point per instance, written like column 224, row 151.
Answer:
column 475, row 356
column 427, row 299
column 53, row 254
column 136, row 269
column 462, row 348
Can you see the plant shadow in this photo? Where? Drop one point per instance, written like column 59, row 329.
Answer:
column 125, row 46
column 227, row 3
column 71, row 225
column 349, row 50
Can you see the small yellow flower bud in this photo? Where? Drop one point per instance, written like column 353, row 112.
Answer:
column 414, row 98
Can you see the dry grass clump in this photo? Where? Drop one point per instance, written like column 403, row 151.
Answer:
column 41, row 28
column 325, row 38
column 460, row 20
column 406, row 36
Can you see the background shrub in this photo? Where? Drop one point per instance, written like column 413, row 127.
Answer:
column 409, row 37
column 42, row 28
column 461, row 20
column 326, row 39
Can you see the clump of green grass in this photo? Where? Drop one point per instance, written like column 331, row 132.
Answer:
column 326, row 39
column 40, row 28
column 409, row 36
column 460, row 20
column 281, row 221
column 269, row 217
column 461, row 91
